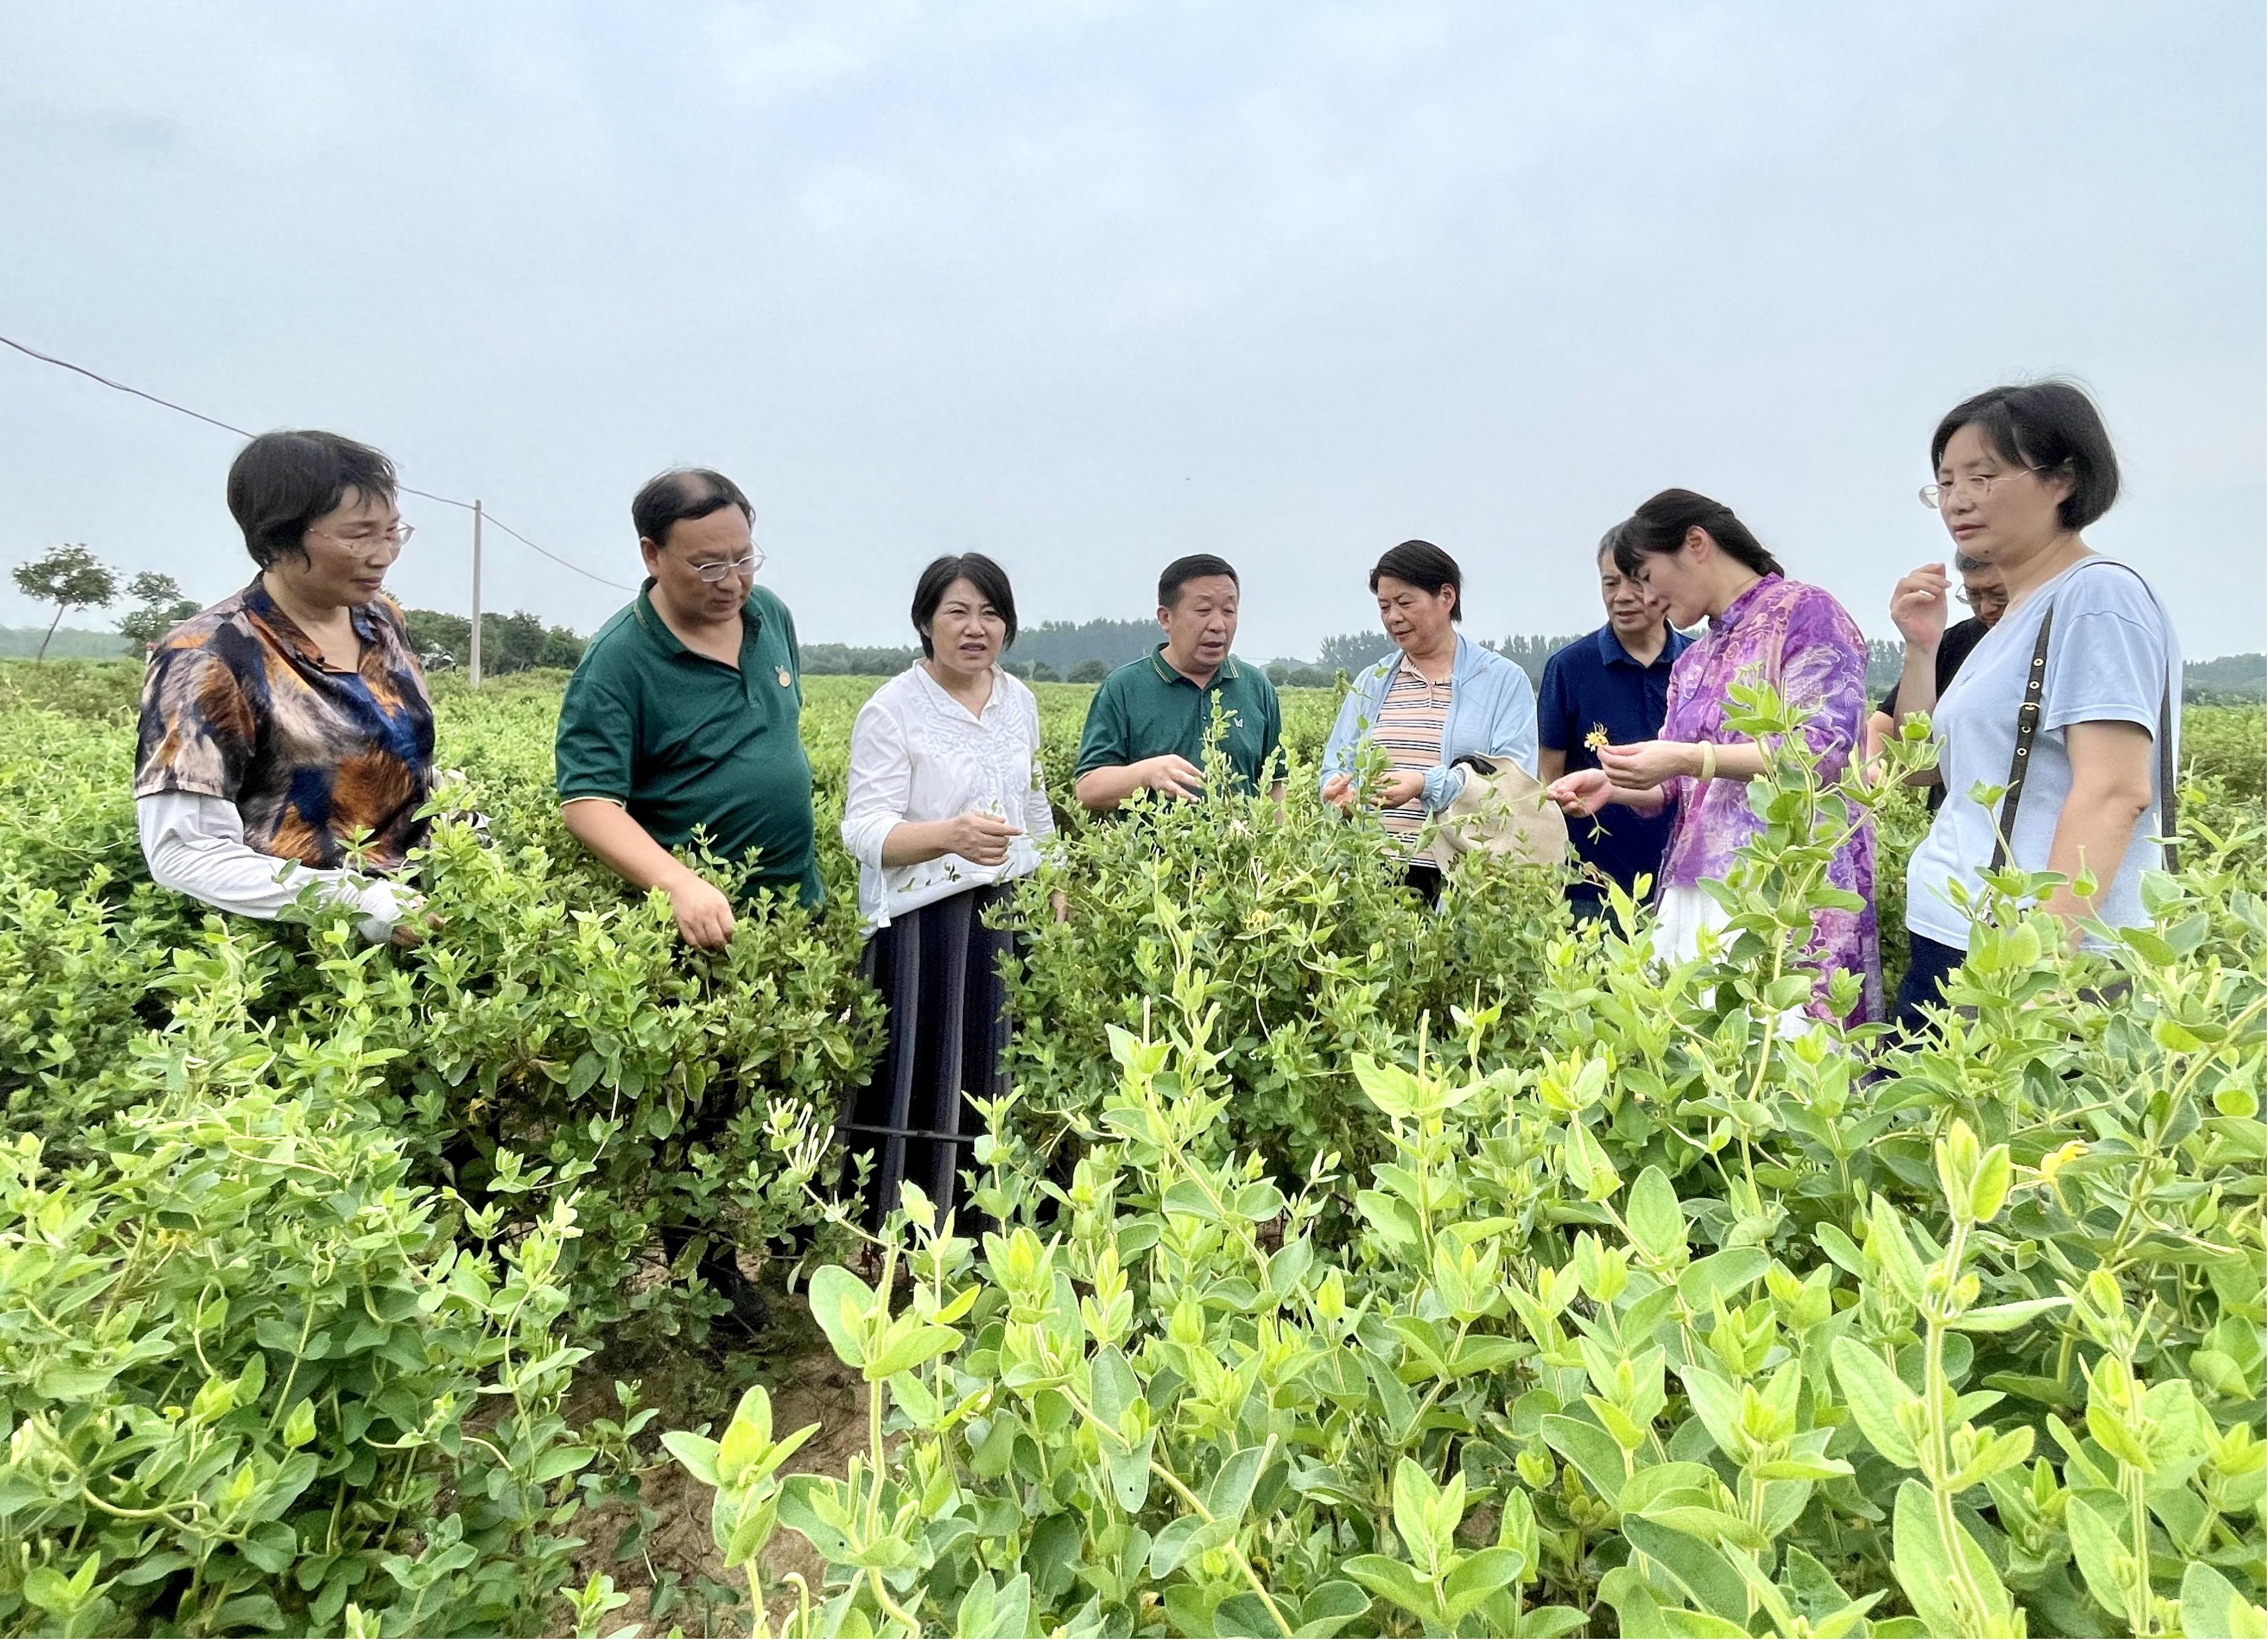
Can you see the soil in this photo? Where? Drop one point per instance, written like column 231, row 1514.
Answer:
column 696, row 1388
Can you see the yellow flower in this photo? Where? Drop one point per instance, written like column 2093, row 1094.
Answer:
column 1597, row 739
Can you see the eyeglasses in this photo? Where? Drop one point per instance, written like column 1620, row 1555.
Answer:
column 369, row 542
column 1979, row 601
column 1976, row 487
column 718, row 570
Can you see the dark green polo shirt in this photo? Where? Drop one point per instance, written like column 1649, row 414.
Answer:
column 680, row 740
column 1146, row 708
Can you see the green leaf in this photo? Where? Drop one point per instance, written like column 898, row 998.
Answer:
column 2009, row 1316
column 840, row 1303
column 2211, row 1608
column 1719, row 1406
column 1478, row 1578
column 1394, row 1581
column 1657, row 1224
column 1927, row 1580
column 1596, row 1455
column 905, row 1345
column 1330, row 1609
column 1230, row 1492
column 696, row 1454
column 46, row 1588
column 1721, row 1276
column 2098, row 1549
column 1875, row 1395
column 1702, row 1571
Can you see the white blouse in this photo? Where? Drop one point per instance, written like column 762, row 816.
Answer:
column 918, row 755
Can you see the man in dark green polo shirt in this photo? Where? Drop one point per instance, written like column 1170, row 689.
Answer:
column 683, row 714
column 1146, row 726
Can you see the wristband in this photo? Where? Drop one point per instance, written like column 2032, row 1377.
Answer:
column 1708, row 761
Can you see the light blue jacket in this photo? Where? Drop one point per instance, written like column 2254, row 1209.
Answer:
column 1492, row 710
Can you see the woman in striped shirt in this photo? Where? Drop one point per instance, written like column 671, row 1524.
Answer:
column 1438, row 698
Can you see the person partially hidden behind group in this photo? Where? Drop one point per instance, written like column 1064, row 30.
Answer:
column 1147, row 724
column 1437, row 699
column 2070, row 704
column 1610, row 688
column 683, row 714
column 286, row 743
column 945, row 808
column 1934, row 651
column 1702, row 561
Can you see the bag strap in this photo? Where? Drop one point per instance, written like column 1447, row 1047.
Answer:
column 2027, row 725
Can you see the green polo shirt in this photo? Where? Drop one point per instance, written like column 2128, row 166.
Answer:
column 680, row 740
column 1146, row 708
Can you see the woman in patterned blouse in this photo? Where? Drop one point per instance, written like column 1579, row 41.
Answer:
column 286, row 744
column 1763, row 629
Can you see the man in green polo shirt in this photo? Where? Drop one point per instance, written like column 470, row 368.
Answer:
column 1146, row 726
column 683, row 714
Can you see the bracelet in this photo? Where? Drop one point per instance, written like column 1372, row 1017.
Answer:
column 1708, row 761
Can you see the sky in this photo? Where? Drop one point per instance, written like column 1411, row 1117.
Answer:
column 1087, row 286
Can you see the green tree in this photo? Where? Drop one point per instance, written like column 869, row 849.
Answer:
column 69, row 578
column 159, row 605
column 1094, row 670
column 1351, row 653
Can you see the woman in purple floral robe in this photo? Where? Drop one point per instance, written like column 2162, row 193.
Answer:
column 1763, row 629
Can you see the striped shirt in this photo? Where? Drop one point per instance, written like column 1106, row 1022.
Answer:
column 1408, row 730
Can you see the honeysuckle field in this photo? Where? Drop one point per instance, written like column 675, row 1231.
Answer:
column 1337, row 1268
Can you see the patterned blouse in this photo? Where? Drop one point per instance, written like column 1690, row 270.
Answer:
column 236, row 705
column 1411, row 720
column 1799, row 638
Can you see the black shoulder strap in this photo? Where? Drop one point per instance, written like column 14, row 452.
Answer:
column 2027, row 725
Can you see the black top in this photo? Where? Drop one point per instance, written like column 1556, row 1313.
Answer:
column 1952, row 649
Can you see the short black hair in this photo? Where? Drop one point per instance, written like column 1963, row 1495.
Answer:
column 1609, row 542
column 1663, row 521
column 2050, row 427
column 1422, row 564
column 946, row 569
column 1188, row 569
column 283, row 482
column 683, row 493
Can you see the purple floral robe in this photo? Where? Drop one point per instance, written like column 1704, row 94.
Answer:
column 1798, row 638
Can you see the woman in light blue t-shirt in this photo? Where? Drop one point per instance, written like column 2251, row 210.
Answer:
column 2021, row 472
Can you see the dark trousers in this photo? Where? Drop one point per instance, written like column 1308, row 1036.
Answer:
column 1928, row 964
column 1424, row 878
column 938, row 969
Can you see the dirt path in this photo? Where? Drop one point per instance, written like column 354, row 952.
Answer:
column 679, row 1567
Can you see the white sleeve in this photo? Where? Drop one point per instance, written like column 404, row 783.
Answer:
column 194, row 846
column 879, row 785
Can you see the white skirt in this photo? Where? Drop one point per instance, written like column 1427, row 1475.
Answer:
column 1685, row 912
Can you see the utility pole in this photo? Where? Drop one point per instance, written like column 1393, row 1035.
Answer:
column 475, row 667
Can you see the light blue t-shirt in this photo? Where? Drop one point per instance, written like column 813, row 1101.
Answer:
column 2112, row 655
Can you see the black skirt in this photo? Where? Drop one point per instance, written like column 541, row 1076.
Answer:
column 938, row 969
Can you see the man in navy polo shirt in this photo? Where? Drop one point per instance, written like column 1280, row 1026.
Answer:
column 1615, row 681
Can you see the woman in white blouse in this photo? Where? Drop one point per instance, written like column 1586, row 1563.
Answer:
column 945, row 805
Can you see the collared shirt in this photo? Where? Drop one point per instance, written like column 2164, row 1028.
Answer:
column 238, row 706
column 680, row 740
column 1410, row 718
column 1593, row 685
column 917, row 755
column 1146, row 708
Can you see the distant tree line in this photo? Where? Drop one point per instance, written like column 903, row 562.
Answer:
column 509, row 645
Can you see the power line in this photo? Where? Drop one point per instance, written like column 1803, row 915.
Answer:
column 94, row 376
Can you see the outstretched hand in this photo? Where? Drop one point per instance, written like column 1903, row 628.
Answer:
column 1582, row 792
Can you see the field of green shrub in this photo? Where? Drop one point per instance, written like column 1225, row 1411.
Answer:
column 1337, row 1268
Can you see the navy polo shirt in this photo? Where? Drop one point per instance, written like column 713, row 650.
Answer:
column 1593, row 684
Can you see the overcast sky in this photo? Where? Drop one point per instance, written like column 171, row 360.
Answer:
column 1088, row 286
